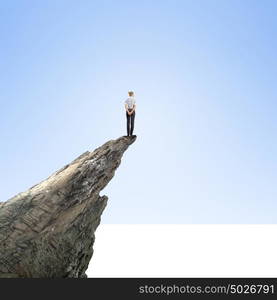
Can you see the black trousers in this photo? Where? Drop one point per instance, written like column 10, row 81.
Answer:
column 130, row 123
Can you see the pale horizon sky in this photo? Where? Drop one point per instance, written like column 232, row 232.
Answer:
column 203, row 73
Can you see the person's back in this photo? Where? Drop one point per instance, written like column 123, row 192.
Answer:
column 130, row 106
column 130, row 102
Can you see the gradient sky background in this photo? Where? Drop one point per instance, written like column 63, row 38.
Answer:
column 204, row 74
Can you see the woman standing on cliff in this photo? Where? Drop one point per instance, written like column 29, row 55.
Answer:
column 130, row 106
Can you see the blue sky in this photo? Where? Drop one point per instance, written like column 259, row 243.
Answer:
column 204, row 75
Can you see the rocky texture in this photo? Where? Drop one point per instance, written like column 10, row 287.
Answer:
column 48, row 231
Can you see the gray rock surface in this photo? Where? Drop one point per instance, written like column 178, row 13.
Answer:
column 48, row 231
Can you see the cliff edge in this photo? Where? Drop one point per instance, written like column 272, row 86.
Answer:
column 48, row 231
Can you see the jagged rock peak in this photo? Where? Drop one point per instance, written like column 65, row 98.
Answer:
column 48, row 231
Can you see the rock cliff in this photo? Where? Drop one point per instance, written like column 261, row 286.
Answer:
column 48, row 231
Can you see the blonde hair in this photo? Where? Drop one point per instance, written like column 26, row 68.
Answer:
column 131, row 93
